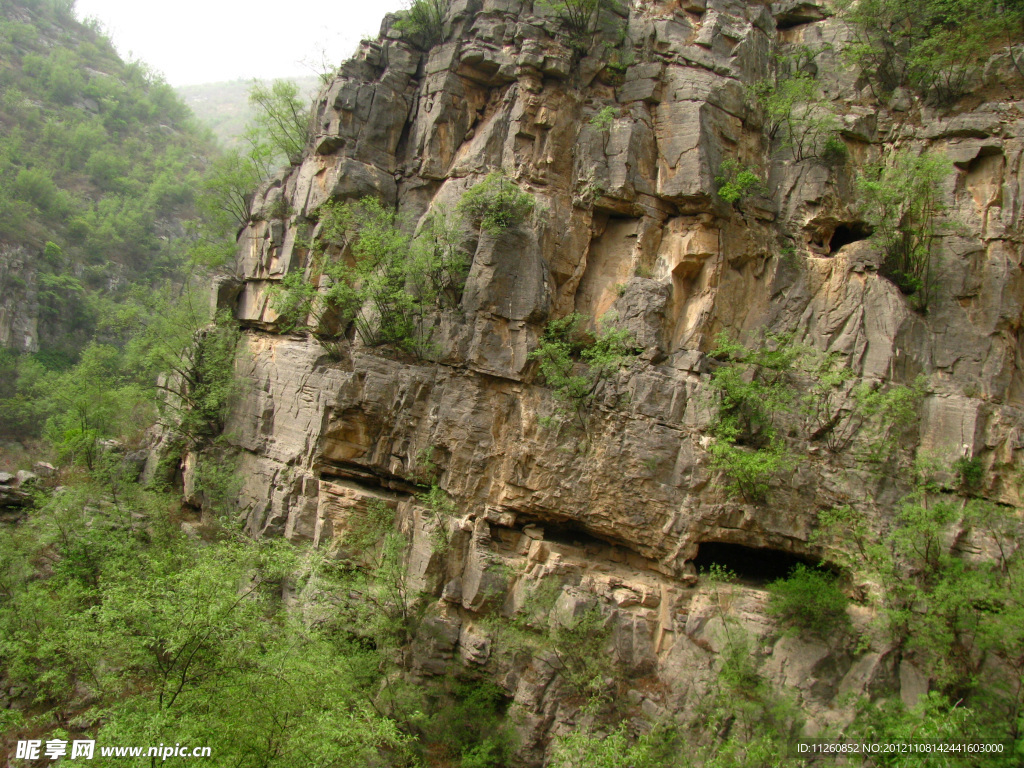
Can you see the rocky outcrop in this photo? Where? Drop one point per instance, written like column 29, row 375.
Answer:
column 626, row 220
column 19, row 307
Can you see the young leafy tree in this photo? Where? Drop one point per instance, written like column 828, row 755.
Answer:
column 901, row 200
column 797, row 117
column 283, row 117
column 575, row 363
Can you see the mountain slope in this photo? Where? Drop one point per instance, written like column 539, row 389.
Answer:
column 98, row 162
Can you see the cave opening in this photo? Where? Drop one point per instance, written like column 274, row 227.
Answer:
column 572, row 535
column 753, row 565
column 845, row 234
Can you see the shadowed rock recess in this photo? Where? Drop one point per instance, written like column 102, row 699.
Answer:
column 620, row 147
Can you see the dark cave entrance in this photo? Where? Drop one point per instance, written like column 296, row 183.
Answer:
column 752, row 565
column 845, row 234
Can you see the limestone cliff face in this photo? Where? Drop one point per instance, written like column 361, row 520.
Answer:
column 628, row 220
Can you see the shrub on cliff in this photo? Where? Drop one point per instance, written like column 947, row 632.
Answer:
column 767, row 393
column 580, row 17
column 737, row 182
column 392, row 284
column 575, row 362
column 932, row 46
column 424, row 19
column 496, row 203
column 808, row 600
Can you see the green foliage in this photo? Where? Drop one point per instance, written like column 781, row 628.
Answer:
column 575, row 363
column 836, row 410
column 440, row 509
column 578, row 645
column 742, row 722
column 206, row 379
column 496, row 203
column 92, row 401
column 934, row 47
column 970, row 473
column 225, row 195
column 616, row 749
column 957, row 618
column 390, row 610
column 604, row 118
column 393, row 284
column 750, row 470
column 156, row 638
column 294, row 300
column 933, row 719
column 100, row 160
column 218, row 482
column 753, row 386
column 580, row 17
column 425, row 20
column 737, row 182
column 760, row 389
column 798, row 117
column 283, row 117
column 470, row 726
column 810, row 601
column 901, row 200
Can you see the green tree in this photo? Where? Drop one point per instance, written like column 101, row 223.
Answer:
column 283, row 117
column 901, row 199
column 575, row 363
column 798, row 117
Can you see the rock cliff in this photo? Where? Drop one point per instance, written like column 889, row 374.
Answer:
column 623, row 147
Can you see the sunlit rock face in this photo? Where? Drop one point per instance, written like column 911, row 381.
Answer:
column 626, row 220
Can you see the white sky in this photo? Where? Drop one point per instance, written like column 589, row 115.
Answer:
column 207, row 41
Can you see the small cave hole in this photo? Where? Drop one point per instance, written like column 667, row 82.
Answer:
column 755, row 566
column 848, row 233
column 571, row 535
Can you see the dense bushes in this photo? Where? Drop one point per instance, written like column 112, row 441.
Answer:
column 369, row 273
column 809, row 600
column 934, row 46
column 496, row 203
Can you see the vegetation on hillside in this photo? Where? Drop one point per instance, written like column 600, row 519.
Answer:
column 368, row 273
column 935, row 47
column 99, row 163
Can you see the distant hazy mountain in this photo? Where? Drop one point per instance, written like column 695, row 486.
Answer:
column 224, row 107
